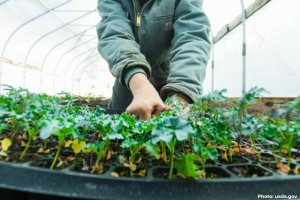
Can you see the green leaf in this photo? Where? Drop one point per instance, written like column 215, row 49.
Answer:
column 114, row 136
column 216, row 96
column 153, row 149
column 185, row 165
column 195, row 147
column 182, row 128
column 161, row 133
column 115, row 126
column 48, row 128
column 212, row 153
column 250, row 96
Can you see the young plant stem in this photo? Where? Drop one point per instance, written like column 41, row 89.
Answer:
column 240, row 152
column 106, row 147
column 45, row 144
column 190, row 141
column 273, row 152
column 172, row 159
column 253, row 143
column 117, row 142
column 163, row 150
column 26, row 148
column 182, row 146
column 131, row 158
column 13, row 136
column 57, row 153
column 203, row 161
column 98, row 160
column 290, row 151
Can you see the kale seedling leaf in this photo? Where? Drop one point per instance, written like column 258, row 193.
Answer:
column 48, row 127
column 185, row 165
column 114, row 136
column 182, row 128
column 153, row 149
column 161, row 133
column 216, row 95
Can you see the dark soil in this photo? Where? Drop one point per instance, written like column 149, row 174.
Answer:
column 15, row 158
column 273, row 167
column 47, row 164
column 66, row 154
column 125, row 172
column 207, row 163
column 112, row 160
column 253, row 109
column 79, row 168
column 235, row 160
column 265, row 157
column 211, row 173
column 93, row 102
column 164, row 173
column 160, row 163
column 294, row 155
column 251, row 171
column 215, row 173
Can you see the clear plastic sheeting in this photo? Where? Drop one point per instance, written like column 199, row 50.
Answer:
column 222, row 12
column 273, row 50
column 51, row 46
column 46, row 41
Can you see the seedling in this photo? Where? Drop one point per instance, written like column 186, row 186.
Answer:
column 174, row 130
column 32, row 132
column 59, row 127
column 98, row 148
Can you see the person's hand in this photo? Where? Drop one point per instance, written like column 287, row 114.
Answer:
column 146, row 101
column 182, row 100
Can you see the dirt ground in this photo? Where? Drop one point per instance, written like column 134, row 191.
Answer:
column 103, row 103
column 252, row 110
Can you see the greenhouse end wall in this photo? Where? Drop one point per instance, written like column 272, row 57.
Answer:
column 273, row 51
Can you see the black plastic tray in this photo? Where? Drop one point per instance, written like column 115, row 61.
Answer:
column 27, row 177
column 112, row 111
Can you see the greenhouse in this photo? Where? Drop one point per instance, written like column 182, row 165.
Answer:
column 149, row 99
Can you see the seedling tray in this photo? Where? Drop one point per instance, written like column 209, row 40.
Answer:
column 34, row 177
column 69, row 183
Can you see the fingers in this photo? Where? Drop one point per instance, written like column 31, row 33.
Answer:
column 186, row 110
column 145, row 113
column 145, row 116
column 141, row 112
column 158, row 109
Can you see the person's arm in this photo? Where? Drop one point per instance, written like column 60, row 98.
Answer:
column 146, row 101
column 117, row 43
column 118, row 47
column 190, row 53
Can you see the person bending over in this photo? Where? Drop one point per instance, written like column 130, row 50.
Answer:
column 155, row 49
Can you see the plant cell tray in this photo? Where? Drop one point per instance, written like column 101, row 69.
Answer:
column 223, row 180
column 69, row 182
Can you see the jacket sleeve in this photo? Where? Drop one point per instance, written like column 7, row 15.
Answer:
column 190, row 52
column 117, row 43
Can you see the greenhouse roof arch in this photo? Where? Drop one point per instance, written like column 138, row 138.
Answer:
column 51, row 7
column 57, row 39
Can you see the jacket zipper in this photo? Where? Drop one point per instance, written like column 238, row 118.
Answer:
column 138, row 16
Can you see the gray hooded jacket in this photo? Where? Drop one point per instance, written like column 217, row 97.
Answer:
column 168, row 40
